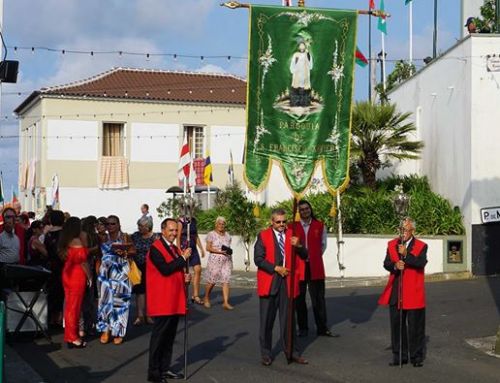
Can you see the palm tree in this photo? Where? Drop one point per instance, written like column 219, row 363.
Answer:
column 380, row 134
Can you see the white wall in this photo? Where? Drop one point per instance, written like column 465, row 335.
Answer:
column 126, row 204
column 226, row 138
column 485, row 127
column 155, row 142
column 364, row 256
column 61, row 147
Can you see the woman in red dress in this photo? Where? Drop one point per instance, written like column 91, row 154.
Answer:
column 76, row 275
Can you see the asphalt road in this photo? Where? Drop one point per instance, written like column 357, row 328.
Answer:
column 224, row 345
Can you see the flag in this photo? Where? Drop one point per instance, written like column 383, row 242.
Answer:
column 230, row 169
column 55, row 191
column 360, row 58
column 191, row 177
column 14, row 197
column 371, row 4
column 301, row 72
column 286, row 3
column 407, row 2
column 184, row 161
column 382, row 20
column 2, row 198
column 207, row 171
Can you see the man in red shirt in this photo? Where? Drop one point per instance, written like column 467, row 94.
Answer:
column 405, row 260
column 312, row 233
column 166, row 299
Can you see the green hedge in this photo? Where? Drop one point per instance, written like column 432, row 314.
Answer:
column 366, row 211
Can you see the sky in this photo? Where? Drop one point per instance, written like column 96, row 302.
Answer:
column 187, row 27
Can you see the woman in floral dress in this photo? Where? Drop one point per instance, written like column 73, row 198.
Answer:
column 220, row 262
column 115, row 288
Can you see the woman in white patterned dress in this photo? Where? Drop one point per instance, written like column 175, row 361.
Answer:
column 219, row 264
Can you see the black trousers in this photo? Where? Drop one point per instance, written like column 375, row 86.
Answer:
column 317, row 294
column 161, row 345
column 269, row 307
column 413, row 333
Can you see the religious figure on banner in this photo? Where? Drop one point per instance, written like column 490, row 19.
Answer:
column 301, row 65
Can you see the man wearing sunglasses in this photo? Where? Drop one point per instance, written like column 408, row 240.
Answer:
column 10, row 244
column 273, row 257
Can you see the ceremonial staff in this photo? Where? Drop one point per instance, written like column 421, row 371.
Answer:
column 401, row 206
column 187, row 215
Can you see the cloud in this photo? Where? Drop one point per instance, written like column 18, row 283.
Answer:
column 211, row 68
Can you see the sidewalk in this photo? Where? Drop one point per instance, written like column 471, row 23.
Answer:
column 17, row 369
column 248, row 279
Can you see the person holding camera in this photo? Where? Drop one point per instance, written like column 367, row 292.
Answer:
column 219, row 264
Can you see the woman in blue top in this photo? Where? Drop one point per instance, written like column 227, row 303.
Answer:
column 194, row 244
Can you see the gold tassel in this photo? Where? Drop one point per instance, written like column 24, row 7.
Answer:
column 256, row 210
column 333, row 210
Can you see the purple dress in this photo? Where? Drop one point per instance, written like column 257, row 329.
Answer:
column 219, row 266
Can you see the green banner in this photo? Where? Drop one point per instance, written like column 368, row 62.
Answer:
column 300, row 84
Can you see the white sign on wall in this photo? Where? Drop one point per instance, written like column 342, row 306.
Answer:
column 490, row 214
column 493, row 63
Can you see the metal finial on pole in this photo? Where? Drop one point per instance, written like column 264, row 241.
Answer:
column 301, row 3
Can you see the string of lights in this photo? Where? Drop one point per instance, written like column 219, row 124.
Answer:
column 98, row 137
column 175, row 56
column 127, row 114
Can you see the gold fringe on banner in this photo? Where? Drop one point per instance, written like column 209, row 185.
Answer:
column 256, row 210
column 333, row 210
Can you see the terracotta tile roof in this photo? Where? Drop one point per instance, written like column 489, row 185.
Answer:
column 143, row 84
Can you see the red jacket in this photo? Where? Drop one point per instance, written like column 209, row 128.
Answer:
column 413, row 279
column 264, row 279
column 165, row 295
column 314, row 249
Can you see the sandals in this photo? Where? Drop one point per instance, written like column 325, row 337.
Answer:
column 104, row 337
column 139, row 321
column 197, row 300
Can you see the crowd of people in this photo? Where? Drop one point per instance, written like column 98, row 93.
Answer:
column 96, row 268
column 90, row 290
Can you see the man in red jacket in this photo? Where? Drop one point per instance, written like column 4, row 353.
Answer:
column 312, row 233
column 273, row 257
column 166, row 299
column 405, row 260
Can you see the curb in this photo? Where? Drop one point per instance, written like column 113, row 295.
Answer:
column 243, row 279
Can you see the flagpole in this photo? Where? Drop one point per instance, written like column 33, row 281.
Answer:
column 383, row 61
column 370, row 59
column 410, row 11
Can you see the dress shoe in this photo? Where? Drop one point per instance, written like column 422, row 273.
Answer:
column 266, row 361
column 418, row 364
column 329, row 334
column 302, row 333
column 71, row 345
column 395, row 363
column 299, row 360
column 172, row 375
column 104, row 337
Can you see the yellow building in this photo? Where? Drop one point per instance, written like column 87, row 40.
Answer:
column 113, row 140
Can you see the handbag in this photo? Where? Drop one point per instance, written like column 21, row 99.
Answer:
column 134, row 275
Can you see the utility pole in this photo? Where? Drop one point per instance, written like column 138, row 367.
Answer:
column 434, row 37
column 497, row 16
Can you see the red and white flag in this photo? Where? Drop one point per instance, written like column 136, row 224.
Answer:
column 185, row 164
column 287, row 3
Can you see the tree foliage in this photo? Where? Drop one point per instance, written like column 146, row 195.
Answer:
column 402, row 71
column 379, row 134
column 487, row 22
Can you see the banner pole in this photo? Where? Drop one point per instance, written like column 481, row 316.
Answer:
column 340, row 238
column 237, row 5
column 291, row 300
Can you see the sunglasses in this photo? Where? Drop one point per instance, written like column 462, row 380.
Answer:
column 280, row 222
column 9, row 216
column 111, row 224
